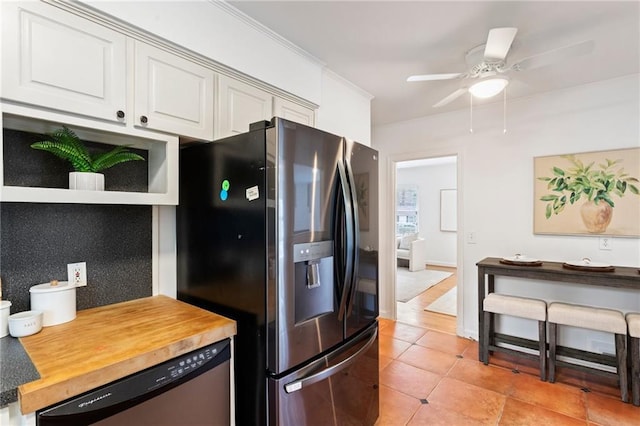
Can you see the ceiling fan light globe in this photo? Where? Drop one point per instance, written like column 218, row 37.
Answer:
column 488, row 87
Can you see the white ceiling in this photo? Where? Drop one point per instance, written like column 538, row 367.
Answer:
column 377, row 44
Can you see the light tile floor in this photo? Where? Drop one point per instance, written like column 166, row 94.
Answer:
column 430, row 377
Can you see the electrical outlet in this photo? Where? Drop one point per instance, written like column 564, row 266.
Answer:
column 605, row 243
column 77, row 274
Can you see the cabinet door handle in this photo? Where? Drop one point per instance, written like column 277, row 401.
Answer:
column 143, row 119
column 120, row 114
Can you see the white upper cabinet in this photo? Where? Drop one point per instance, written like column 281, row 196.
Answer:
column 55, row 59
column 172, row 94
column 294, row 112
column 238, row 105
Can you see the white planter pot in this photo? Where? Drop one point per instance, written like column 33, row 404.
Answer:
column 86, row 181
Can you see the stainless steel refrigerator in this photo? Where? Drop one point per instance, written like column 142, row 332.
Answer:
column 277, row 229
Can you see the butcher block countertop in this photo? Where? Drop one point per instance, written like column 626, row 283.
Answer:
column 110, row 342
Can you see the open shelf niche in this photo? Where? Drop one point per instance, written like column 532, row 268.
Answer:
column 158, row 187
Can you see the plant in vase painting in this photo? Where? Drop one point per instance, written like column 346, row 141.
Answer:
column 65, row 144
column 597, row 184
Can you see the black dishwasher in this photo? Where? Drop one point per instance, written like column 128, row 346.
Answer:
column 192, row 389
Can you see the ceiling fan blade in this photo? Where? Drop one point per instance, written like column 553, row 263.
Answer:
column 453, row 96
column 499, row 42
column 552, row 56
column 430, row 77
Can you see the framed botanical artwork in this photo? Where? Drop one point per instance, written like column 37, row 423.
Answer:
column 591, row 193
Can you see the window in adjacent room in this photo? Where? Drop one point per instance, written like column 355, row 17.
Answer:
column 407, row 210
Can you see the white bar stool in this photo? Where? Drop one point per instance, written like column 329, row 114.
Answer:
column 592, row 318
column 633, row 320
column 522, row 307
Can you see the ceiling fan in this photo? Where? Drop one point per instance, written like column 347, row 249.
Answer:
column 488, row 72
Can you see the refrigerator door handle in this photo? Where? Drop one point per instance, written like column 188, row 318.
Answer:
column 348, row 212
column 355, row 235
column 296, row 385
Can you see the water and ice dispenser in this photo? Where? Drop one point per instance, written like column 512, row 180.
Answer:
column 314, row 279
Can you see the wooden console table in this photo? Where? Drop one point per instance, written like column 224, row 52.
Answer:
column 489, row 268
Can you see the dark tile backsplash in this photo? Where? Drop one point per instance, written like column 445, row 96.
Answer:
column 38, row 240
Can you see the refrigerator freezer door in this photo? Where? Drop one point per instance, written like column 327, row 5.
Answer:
column 339, row 388
column 303, row 290
column 363, row 302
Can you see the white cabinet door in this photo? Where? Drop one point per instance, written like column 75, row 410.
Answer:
column 291, row 111
column 239, row 105
column 55, row 59
column 172, row 94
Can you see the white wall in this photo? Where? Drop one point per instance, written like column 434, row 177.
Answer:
column 344, row 109
column 495, row 186
column 441, row 245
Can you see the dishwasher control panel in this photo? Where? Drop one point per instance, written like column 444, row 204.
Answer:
column 186, row 364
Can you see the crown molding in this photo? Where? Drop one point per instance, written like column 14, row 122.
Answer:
column 229, row 9
column 346, row 82
column 246, row 19
column 88, row 12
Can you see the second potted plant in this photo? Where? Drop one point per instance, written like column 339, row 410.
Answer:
column 65, row 144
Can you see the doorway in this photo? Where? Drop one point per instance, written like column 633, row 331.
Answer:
column 426, row 242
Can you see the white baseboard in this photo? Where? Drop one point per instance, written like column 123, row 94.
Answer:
column 470, row 334
column 385, row 314
column 441, row 263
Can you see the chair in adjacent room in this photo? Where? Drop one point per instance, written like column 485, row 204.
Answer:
column 521, row 307
column 412, row 250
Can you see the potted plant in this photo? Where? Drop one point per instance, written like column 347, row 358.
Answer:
column 65, row 144
column 596, row 184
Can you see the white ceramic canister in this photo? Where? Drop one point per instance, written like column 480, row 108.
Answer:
column 56, row 300
column 25, row 323
column 5, row 305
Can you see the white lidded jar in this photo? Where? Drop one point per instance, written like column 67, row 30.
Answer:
column 4, row 317
column 56, row 300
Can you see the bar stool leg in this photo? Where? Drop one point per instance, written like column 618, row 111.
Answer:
column 635, row 369
column 542, row 347
column 621, row 356
column 486, row 336
column 553, row 335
